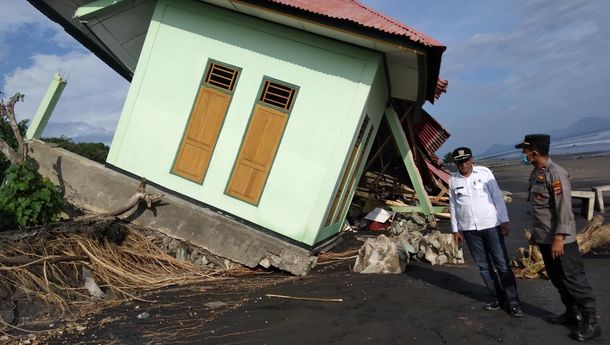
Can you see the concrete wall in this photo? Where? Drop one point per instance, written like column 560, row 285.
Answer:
column 97, row 188
column 334, row 82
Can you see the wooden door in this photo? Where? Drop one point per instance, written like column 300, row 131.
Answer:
column 257, row 153
column 201, row 134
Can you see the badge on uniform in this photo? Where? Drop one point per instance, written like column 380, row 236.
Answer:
column 556, row 186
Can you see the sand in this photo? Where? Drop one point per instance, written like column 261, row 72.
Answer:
column 426, row 305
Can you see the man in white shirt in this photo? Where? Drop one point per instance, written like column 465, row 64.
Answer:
column 479, row 215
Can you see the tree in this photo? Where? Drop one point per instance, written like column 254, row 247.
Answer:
column 26, row 198
column 448, row 158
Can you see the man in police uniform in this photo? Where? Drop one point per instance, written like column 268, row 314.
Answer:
column 479, row 215
column 554, row 231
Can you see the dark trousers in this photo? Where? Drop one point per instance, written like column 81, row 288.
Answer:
column 567, row 273
column 489, row 252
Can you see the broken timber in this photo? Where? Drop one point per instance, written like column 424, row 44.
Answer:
column 406, row 154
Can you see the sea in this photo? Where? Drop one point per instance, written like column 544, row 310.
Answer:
column 594, row 143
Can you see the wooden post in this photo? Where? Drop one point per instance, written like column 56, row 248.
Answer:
column 46, row 107
column 407, row 157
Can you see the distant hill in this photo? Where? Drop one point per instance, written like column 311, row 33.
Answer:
column 497, row 148
column 580, row 127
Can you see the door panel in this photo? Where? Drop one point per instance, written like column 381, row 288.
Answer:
column 201, row 134
column 257, row 153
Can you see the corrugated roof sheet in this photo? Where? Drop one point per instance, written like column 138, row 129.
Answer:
column 430, row 134
column 441, row 87
column 360, row 14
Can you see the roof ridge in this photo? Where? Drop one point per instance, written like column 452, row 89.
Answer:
column 390, row 19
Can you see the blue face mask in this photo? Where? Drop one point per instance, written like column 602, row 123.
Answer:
column 524, row 159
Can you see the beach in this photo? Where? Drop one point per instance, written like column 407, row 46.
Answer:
column 425, row 305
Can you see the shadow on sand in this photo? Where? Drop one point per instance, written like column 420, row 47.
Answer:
column 448, row 281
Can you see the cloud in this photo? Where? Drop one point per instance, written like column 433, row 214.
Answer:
column 91, row 102
column 543, row 69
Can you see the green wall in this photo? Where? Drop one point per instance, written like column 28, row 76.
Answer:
column 374, row 109
column 334, row 82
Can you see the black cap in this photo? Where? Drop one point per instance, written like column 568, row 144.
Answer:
column 461, row 154
column 540, row 141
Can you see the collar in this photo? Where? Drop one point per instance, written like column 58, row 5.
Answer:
column 474, row 171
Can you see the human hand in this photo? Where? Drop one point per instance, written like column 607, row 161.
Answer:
column 557, row 246
column 458, row 237
column 504, row 228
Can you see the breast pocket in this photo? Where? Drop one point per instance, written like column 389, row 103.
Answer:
column 462, row 194
column 539, row 195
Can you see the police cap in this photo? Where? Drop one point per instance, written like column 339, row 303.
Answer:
column 461, row 154
column 539, row 141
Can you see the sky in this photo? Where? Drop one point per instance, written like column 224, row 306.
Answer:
column 514, row 67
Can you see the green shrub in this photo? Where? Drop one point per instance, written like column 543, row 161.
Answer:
column 28, row 199
column 93, row 151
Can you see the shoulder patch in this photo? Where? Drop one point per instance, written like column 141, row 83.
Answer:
column 556, row 186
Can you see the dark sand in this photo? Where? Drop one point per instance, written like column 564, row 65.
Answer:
column 426, row 305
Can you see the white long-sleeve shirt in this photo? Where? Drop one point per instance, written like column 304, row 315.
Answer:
column 476, row 201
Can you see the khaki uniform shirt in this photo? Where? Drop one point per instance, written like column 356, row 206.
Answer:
column 550, row 195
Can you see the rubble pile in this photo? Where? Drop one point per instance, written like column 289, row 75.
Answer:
column 406, row 240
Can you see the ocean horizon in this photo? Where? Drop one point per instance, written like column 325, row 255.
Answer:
column 597, row 142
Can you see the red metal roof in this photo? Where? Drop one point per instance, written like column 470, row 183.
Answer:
column 430, row 134
column 441, row 87
column 360, row 14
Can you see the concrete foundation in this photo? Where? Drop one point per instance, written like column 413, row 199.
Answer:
column 100, row 189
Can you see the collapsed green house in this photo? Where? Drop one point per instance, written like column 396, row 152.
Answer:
column 263, row 113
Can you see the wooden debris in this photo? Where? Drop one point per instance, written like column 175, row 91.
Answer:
column 306, row 298
column 529, row 263
column 594, row 235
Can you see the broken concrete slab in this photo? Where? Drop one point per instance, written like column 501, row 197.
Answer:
column 99, row 189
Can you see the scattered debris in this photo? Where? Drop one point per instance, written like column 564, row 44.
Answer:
column 529, row 264
column 383, row 254
column 594, row 235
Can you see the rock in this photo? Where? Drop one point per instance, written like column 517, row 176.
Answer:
column 91, row 286
column 166, row 241
column 195, row 254
column 173, row 245
column 380, row 255
column 201, row 261
column 419, row 220
column 215, row 304
column 143, row 315
column 182, row 254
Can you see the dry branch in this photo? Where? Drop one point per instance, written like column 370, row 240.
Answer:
column 306, row 298
column 8, row 110
column 140, row 195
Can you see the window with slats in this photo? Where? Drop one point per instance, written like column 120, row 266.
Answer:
column 261, row 142
column 221, row 76
column 277, row 95
column 205, row 122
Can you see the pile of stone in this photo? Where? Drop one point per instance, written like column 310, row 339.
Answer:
column 405, row 241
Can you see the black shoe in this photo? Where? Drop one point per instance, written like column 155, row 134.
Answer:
column 565, row 319
column 495, row 305
column 515, row 310
column 588, row 328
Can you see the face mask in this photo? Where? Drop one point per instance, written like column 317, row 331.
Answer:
column 524, row 159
